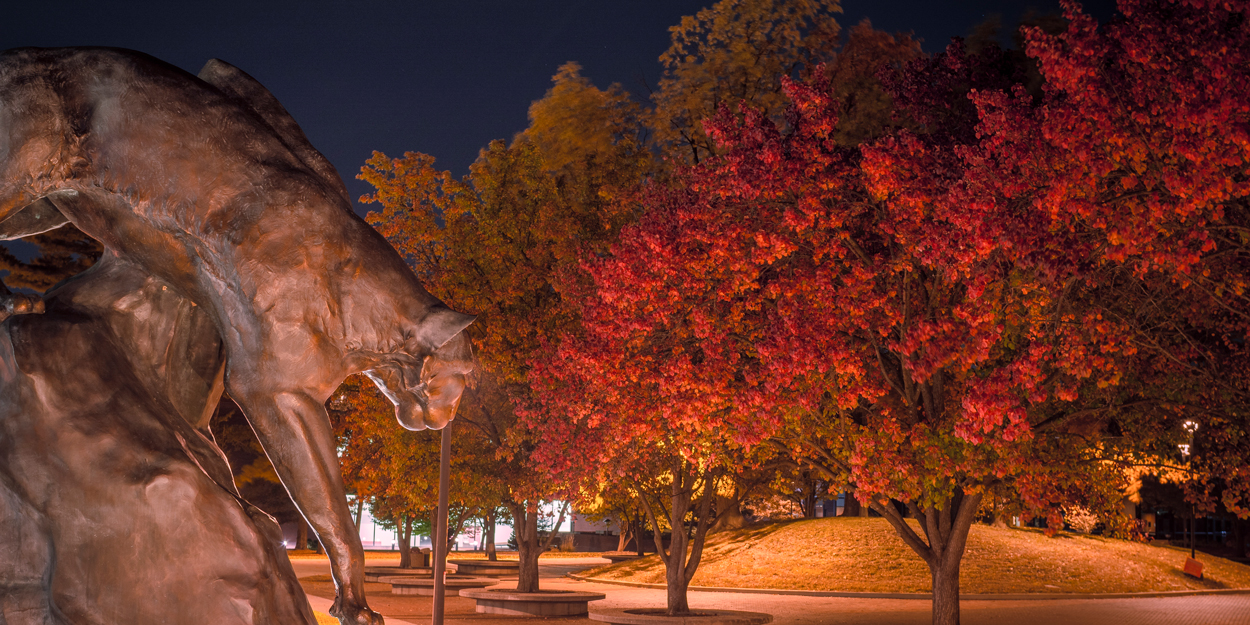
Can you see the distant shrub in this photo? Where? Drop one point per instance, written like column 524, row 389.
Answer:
column 1080, row 519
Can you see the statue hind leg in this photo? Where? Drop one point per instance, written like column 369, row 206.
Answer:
column 39, row 155
column 30, row 217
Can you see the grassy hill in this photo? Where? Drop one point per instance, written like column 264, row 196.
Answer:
column 865, row 555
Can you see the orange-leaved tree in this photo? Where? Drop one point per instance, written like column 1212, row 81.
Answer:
column 395, row 470
column 493, row 242
column 736, row 51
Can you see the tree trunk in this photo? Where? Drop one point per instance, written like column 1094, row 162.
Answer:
column 942, row 548
column 453, row 532
column 525, row 525
column 637, row 532
column 1241, row 528
column 997, row 513
column 360, row 508
column 489, row 531
column 728, row 514
column 676, row 586
column 301, row 533
column 945, row 573
column 404, row 536
column 809, row 498
column 684, row 552
column 850, row 505
column 623, row 533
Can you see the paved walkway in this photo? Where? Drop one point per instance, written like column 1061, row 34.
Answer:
column 798, row 610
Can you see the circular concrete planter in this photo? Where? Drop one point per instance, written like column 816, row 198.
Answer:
column 541, row 603
column 487, row 568
column 407, row 585
column 374, row 573
column 656, row 616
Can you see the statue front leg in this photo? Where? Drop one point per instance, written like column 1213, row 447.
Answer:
column 295, row 432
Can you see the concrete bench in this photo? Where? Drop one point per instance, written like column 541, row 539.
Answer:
column 408, row 585
column 541, row 603
column 374, row 573
column 487, row 568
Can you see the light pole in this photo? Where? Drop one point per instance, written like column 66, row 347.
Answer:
column 1191, row 427
column 439, row 541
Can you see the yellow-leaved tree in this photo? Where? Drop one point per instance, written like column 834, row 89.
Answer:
column 737, row 51
column 496, row 242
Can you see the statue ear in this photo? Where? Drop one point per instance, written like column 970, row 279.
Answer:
column 440, row 325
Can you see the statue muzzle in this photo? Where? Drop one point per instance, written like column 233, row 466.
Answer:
column 424, row 398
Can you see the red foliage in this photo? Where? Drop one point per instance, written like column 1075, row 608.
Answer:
column 1124, row 187
column 972, row 306
column 948, row 290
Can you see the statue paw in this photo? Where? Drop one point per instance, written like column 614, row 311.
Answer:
column 19, row 304
column 353, row 614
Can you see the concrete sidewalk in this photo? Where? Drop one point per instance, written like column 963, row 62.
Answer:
column 799, row 610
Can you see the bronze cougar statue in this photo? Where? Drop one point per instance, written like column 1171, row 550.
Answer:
column 210, row 186
column 113, row 491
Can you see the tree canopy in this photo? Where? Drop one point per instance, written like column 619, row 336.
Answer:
column 934, row 280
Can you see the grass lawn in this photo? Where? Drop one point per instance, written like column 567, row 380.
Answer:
column 865, row 555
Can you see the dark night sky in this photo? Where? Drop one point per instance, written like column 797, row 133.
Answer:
column 443, row 78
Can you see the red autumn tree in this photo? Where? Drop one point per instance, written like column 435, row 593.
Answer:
column 1126, row 185
column 643, row 434
column 796, row 288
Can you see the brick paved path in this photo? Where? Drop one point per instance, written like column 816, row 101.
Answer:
column 798, row 610
column 794, row 610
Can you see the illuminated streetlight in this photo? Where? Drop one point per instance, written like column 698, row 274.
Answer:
column 1190, row 427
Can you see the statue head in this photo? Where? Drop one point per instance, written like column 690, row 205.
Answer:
column 427, row 395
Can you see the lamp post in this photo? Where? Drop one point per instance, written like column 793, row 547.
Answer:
column 1191, row 427
column 439, row 540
